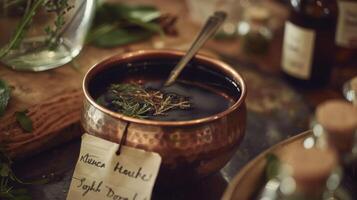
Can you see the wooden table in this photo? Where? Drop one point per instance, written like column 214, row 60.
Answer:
column 54, row 97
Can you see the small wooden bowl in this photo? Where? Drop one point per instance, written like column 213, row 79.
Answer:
column 189, row 149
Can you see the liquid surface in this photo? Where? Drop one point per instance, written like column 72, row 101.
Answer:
column 205, row 101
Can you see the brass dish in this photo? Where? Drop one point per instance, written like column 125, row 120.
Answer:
column 246, row 184
column 189, row 149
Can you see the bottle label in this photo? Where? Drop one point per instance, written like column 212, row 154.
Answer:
column 298, row 49
column 346, row 34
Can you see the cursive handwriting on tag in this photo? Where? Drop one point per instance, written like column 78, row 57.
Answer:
column 101, row 174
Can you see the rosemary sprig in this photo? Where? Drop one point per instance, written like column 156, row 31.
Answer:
column 60, row 7
column 22, row 28
column 135, row 101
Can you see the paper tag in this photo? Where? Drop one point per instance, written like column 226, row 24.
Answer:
column 101, row 174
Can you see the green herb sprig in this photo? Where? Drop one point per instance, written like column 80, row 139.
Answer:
column 60, row 7
column 11, row 187
column 272, row 166
column 24, row 120
column 21, row 28
column 135, row 101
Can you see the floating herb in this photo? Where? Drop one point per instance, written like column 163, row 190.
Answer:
column 24, row 121
column 4, row 96
column 272, row 166
column 135, row 101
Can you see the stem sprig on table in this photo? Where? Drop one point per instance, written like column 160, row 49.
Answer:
column 135, row 101
column 11, row 187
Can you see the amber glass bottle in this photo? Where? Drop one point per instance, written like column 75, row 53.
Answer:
column 346, row 32
column 308, row 46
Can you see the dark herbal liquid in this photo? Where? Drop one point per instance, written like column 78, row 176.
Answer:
column 204, row 101
column 208, row 90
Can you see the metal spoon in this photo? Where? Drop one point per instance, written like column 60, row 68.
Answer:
column 210, row 27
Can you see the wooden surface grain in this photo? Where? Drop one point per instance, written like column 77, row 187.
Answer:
column 34, row 91
column 54, row 97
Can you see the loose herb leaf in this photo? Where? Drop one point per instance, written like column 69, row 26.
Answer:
column 272, row 167
column 113, row 12
column 10, row 185
column 100, row 31
column 149, row 26
column 4, row 96
column 119, row 24
column 24, row 121
column 135, row 101
column 4, row 170
column 120, row 37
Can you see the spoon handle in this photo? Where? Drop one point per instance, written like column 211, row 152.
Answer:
column 210, row 27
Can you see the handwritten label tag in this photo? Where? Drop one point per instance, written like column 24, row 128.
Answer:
column 101, row 174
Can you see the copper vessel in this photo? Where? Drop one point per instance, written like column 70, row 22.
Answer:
column 189, row 149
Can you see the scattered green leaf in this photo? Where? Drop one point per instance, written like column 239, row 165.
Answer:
column 121, row 11
column 10, row 184
column 24, row 121
column 149, row 26
column 272, row 167
column 99, row 31
column 120, row 37
column 119, row 24
column 4, row 96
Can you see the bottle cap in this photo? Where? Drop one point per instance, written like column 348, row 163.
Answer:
column 310, row 168
column 339, row 120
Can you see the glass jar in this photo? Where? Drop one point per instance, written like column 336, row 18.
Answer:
column 254, row 29
column 39, row 35
column 302, row 176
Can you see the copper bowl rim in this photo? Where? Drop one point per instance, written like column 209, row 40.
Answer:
column 226, row 69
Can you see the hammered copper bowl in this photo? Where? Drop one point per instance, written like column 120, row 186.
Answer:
column 189, row 149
